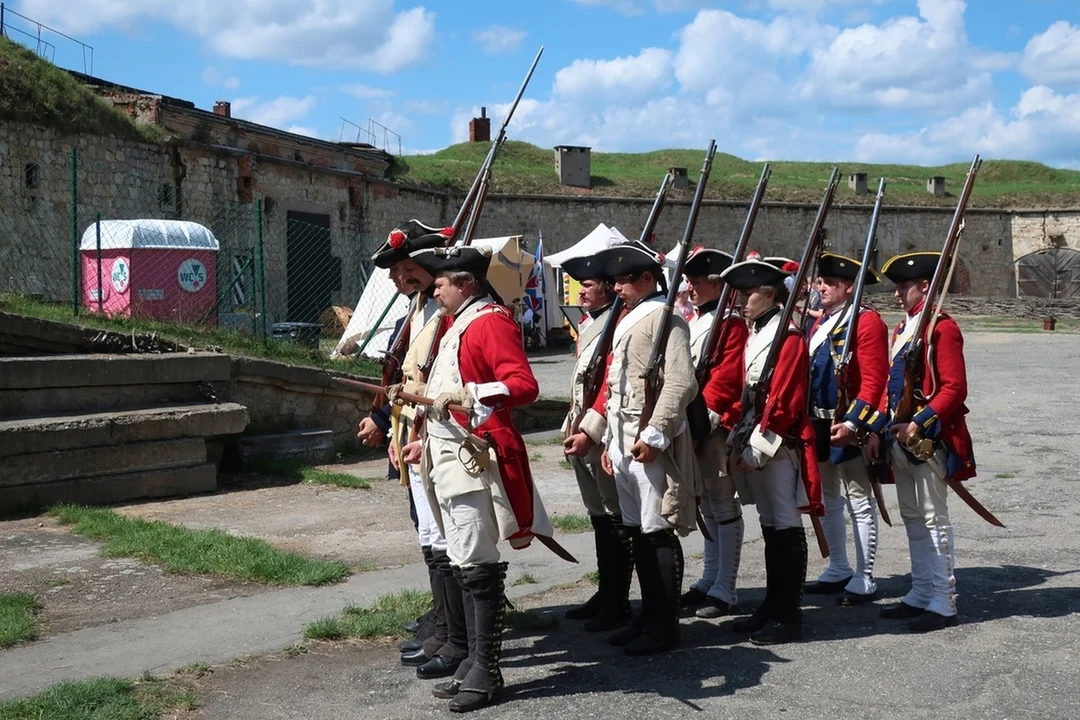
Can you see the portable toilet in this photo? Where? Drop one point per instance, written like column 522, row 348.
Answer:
column 153, row 269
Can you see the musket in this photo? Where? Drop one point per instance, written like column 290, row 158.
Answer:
column 843, row 367
column 592, row 376
column 912, row 398
column 464, row 226
column 718, row 331
column 754, row 397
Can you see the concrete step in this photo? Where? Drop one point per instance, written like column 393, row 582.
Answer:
column 57, row 465
column 309, row 446
column 108, row 489
column 69, row 430
column 31, row 386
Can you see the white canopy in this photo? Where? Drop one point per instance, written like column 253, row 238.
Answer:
column 149, row 235
column 594, row 242
column 508, row 273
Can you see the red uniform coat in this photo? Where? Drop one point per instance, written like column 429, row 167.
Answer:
column 724, row 386
column 491, row 352
column 945, row 388
column 786, row 411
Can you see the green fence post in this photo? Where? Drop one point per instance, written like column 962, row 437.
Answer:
column 75, row 265
column 262, row 266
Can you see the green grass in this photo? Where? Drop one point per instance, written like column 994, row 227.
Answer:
column 37, row 92
column 525, row 168
column 231, row 342
column 384, row 619
column 1004, row 476
column 572, row 523
column 181, row 550
column 101, row 699
column 18, row 618
column 593, row 577
column 312, row 476
column 525, row 579
column 565, row 465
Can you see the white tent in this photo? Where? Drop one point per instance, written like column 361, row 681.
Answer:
column 381, row 306
column 594, row 242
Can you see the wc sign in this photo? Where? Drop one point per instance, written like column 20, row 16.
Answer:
column 191, row 275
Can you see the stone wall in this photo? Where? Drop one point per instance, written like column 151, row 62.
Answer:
column 218, row 186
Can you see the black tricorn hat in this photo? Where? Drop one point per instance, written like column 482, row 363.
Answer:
column 753, row 273
column 706, row 261
column 628, row 258
column 782, row 262
column 586, row 268
column 911, row 266
column 452, row 259
column 407, row 238
column 845, row 268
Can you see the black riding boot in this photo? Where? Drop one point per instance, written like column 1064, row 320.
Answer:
column 450, row 689
column 616, row 575
column 480, row 687
column 785, row 621
column 661, row 631
column 602, row 536
column 639, row 558
column 447, row 656
column 764, row 612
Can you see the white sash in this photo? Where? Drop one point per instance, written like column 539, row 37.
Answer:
column 821, row 333
column 641, row 311
column 902, row 339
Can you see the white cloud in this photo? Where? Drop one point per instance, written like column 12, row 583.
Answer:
column 1053, row 57
column 498, row 39
column 212, row 76
column 365, row 34
column 906, row 63
column 279, row 112
column 303, row 130
column 621, row 78
column 366, row 92
column 1043, row 125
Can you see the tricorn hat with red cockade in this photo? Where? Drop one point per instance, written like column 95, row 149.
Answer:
column 408, row 237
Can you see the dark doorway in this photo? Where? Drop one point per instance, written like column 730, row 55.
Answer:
column 311, row 272
column 1053, row 273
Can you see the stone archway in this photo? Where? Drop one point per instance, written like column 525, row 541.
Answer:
column 961, row 279
column 1052, row 273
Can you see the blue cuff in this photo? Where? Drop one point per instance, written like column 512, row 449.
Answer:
column 860, row 414
column 381, row 417
column 928, row 422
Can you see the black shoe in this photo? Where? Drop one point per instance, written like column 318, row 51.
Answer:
column 714, row 608
column 645, row 644
column 607, row 622
column 446, row 690
column 623, row 637
column 850, row 599
column 410, row 645
column 438, row 667
column 415, row 658
column 412, row 627
column 751, row 623
column 930, row 621
column 589, row 610
column 900, row 611
column 692, row 598
column 825, row 588
column 469, row 700
column 776, row 633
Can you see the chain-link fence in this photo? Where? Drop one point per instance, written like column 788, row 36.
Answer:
column 182, row 254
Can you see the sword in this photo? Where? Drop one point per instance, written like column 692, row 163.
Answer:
column 819, row 533
column 553, row 545
column 701, row 523
column 978, row 507
column 879, row 495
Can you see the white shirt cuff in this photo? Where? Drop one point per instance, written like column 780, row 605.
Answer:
column 487, row 391
column 654, row 438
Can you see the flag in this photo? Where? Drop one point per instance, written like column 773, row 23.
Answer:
column 534, row 287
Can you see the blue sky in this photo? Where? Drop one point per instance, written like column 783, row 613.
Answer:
column 927, row 81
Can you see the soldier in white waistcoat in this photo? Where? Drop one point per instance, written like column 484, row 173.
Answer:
column 654, row 468
column 438, row 649
column 474, row 465
column 714, row 593
column 845, row 473
column 776, row 450
column 609, row 607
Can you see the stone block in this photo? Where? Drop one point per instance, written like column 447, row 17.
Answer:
column 76, row 371
column 103, row 460
column 64, row 432
column 109, row 489
column 309, row 446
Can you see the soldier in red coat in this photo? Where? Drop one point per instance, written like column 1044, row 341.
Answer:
column 845, row 474
column 920, row 483
column 714, row 593
column 776, row 450
column 475, row 466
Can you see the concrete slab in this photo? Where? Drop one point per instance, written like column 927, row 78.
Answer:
column 57, row 465
column 62, row 432
column 110, row 488
column 312, row 446
column 72, row 371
